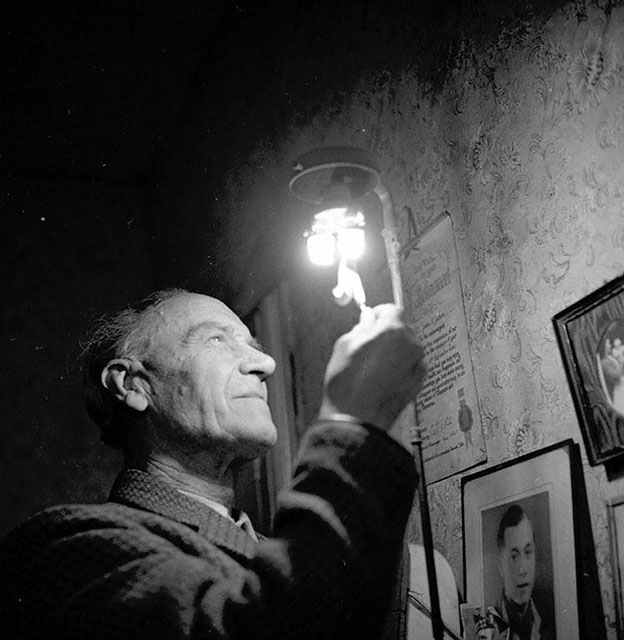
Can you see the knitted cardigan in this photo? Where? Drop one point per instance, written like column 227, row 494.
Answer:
column 153, row 563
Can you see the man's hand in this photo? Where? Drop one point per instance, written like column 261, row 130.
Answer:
column 375, row 370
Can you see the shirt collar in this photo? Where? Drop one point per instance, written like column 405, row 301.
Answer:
column 148, row 492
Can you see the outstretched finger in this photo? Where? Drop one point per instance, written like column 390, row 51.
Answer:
column 367, row 316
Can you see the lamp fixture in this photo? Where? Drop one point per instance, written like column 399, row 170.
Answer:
column 334, row 179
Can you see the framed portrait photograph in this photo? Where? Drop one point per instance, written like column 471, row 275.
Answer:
column 616, row 527
column 520, row 560
column 590, row 334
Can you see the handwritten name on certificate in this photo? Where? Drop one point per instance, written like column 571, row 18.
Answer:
column 447, row 407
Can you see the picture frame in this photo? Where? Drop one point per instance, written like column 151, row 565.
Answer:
column 590, row 334
column 615, row 512
column 541, row 484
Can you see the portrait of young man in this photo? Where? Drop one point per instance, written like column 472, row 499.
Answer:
column 517, row 567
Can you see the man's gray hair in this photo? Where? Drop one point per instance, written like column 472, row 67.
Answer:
column 113, row 336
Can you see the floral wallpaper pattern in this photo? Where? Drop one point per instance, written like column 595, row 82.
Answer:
column 524, row 146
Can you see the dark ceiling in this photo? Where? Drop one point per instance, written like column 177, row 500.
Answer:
column 159, row 96
column 92, row 90
column 170, row 96
column 117, row 94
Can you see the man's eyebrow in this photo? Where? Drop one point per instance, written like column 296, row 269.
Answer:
column 211, row 325
column 206, row 325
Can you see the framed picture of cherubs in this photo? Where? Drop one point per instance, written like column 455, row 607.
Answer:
column 591, row 339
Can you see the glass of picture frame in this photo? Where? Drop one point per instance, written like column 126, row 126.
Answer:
column 590, row 334
column 537, row 490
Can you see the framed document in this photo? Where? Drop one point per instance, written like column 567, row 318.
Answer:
column 447, row 404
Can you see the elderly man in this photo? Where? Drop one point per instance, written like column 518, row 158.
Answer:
column 179, row 385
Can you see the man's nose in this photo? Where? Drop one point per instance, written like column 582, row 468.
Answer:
column 258, row 363
column 523, row 565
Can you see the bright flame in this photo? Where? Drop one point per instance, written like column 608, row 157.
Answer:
column 338, row 227
column 349, row 286
column 321, row 249
column 331, row 216
column 351, row 243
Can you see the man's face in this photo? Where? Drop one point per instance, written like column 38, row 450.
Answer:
column 207, row 379
column 517, row 562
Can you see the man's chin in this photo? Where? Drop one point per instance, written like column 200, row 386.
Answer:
column 522, row 599
column 257, row 446
column 264, row 439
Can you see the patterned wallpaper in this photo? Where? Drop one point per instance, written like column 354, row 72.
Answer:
column 524, row 146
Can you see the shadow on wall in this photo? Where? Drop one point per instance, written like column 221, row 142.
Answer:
column 71, row 255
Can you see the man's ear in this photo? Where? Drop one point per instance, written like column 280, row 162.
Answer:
column 123, row 378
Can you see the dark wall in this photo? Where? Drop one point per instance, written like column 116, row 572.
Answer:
column 70, row 252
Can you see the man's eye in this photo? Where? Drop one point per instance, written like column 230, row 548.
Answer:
column 216, row 339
